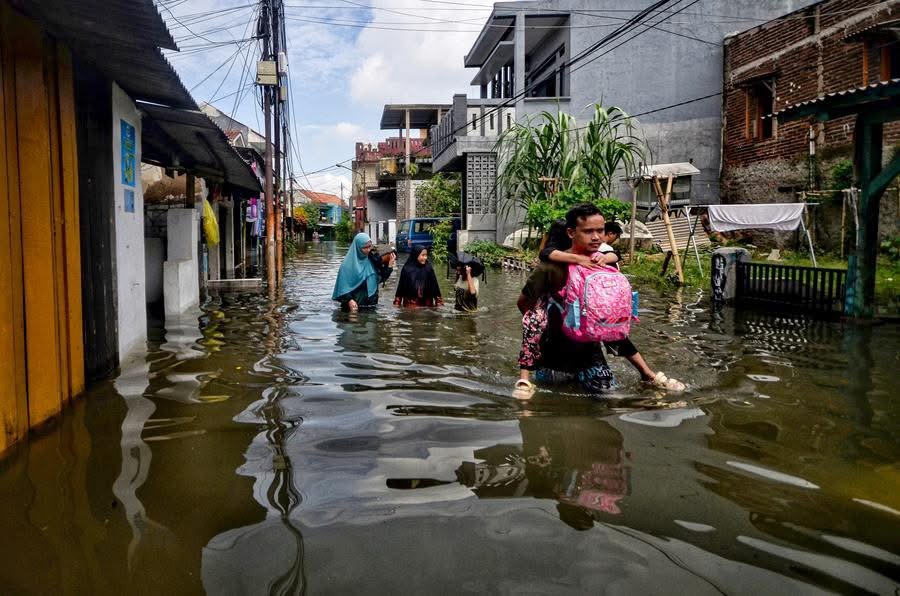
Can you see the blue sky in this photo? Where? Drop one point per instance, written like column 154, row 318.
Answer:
column 347, row 59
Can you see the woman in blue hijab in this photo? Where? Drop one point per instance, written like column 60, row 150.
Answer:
column 360, row 273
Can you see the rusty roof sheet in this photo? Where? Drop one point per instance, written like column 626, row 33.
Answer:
column 863, row 93
column 197, row 142
column 121, row 38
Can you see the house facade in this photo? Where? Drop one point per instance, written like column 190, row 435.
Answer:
column 831, row 47
column 521, row 61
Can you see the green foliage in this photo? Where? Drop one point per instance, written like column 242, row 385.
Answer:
column 441, row 234
column 541, row 214
column 890, row 247
column 550, row 153
column 413, row 169
column 613, row 209
column 439, row 197
column 343, row 231
column 311, row 212
column 490, row 253
column 841, row 175
column 290, row 248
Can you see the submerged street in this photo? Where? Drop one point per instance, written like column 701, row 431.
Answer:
column 281, row 448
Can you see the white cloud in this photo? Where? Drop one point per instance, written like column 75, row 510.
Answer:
column 414, row 65
column 328, row 182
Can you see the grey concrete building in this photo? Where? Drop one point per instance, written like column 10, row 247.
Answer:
column 675, row 58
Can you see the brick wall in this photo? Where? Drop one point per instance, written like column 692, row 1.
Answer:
column 805, row 55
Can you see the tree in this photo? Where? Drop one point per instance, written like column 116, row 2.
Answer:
column 439, row 197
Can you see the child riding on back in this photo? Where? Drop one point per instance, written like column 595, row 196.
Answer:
column 534, row 321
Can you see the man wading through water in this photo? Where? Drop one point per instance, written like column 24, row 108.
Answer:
column 558, row 358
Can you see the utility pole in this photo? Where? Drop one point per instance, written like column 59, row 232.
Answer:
column 265, row 25
column 279, row 186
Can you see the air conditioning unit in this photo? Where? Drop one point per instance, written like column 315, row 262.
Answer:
column 265, row 73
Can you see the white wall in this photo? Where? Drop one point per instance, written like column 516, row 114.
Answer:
column 129, row 255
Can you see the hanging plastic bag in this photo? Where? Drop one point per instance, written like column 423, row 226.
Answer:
column 210, row 224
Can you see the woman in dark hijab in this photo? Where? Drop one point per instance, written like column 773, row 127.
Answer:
column 418, row 285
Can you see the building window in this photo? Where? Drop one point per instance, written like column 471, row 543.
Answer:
column 508, row 120
column 759, row 105
column 890, row 61
column 492, row 121
column 474, row 122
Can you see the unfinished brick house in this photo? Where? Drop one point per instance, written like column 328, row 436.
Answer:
column 834, row 46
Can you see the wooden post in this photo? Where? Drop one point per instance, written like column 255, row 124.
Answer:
column 663, row 199
column 634, row 192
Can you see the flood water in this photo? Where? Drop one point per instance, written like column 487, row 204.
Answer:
column 284, row 448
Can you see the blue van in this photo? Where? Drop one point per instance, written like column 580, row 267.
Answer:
column 418, row 231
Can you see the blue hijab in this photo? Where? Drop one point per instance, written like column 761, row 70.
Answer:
column 355, row 269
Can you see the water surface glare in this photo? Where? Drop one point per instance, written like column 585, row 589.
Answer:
column 281, row 447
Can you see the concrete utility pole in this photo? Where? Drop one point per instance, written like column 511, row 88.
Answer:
column 270, row 204
column 279, row 186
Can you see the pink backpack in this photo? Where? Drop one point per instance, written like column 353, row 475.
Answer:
column 597, row 305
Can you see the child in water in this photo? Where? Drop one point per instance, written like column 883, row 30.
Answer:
column 466, row 286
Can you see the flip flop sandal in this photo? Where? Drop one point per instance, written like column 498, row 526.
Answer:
column 523, row 389
column 661, row 381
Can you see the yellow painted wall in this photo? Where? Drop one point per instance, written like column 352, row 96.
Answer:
column 41, row 349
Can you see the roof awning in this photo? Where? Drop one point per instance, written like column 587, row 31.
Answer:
column 843, row 103
column 500, row 57
column 121, row 38
column 196, row 143
column 421, row 115
column 664, row 170
column 889, row 27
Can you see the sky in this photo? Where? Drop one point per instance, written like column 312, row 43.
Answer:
column 347, row 59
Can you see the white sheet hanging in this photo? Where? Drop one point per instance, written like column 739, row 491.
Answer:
column 771, row 216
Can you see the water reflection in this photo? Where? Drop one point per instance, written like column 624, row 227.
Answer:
column 271, row 444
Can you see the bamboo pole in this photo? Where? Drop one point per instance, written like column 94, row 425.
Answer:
column 634, row 192
column 663, row 199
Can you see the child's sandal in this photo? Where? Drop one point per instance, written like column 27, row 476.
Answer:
column 523, row 389
column 661, row 381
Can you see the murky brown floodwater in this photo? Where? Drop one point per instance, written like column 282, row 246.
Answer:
column 287, row 448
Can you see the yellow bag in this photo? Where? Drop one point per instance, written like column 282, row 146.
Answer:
column 210, row 224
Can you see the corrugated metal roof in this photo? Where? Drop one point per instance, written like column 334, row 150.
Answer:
column 861, row 92
column 870, row 28
column 664, row 170
column 132, row 22
column 198, row 143
column 121, row 38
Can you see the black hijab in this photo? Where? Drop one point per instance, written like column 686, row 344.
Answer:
column 418, row 282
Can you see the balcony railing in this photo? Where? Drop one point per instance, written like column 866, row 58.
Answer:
column 471, row 117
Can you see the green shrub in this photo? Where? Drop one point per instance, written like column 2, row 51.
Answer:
column 439, row 197
column 841, row 175
column 540, row 214
column 343, row 231
column 891, row 248
column 490, row 253
column 441, row 234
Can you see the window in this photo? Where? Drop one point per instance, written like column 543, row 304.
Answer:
column 404, row 227
column 492, row 121
column 474, row 122
column 424, row 226
column 890, row 60
column 508, row 120
column 547, row 78
column 759, row 104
